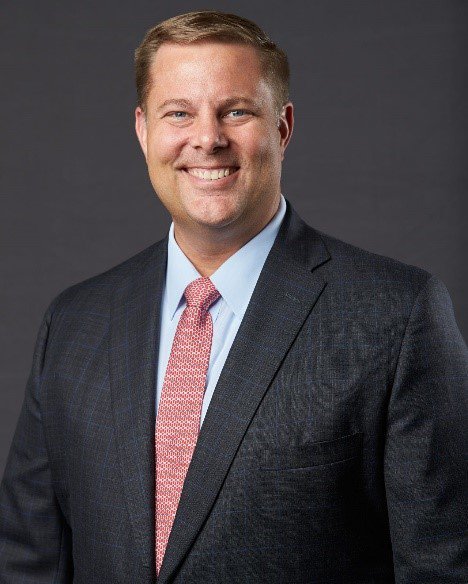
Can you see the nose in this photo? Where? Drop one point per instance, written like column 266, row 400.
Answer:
column 208, row 134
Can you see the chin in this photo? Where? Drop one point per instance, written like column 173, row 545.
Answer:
column 213, row 221
column 215, row 213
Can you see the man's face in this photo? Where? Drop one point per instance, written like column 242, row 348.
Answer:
column 210, row 113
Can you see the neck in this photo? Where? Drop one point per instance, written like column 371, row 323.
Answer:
column 209, row 249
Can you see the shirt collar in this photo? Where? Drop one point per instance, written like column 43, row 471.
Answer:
column 242, row 267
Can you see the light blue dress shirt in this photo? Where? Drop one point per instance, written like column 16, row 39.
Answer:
column 235, row 280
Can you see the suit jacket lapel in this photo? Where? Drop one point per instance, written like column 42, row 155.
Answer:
column 133, row 349
column 284, row 296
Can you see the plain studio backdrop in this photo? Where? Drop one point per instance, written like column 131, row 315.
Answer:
column 378, row 157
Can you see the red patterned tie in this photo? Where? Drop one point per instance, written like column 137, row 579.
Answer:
column 179, row 411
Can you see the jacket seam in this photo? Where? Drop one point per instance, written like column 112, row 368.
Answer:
column 51, row 310
column 405, row 334
column 60, row 553
column 390, row 395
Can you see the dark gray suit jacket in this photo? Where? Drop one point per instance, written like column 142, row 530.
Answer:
column 331, row 451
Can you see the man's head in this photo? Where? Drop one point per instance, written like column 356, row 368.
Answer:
column 194, row 27
column 213, row 100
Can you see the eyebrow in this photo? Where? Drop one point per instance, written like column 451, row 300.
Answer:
column 226, row 103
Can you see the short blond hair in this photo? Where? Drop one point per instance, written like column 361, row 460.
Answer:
column 210, row 25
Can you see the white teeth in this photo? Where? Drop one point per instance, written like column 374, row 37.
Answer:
column 210, row 174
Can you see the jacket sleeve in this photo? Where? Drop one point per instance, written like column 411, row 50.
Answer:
column 35, row 541
column 425, row 468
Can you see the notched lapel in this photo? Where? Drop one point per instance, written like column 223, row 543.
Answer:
column 286, row 292
column 133, row 349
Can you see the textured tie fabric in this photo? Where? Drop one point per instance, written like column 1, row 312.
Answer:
column 179, row 412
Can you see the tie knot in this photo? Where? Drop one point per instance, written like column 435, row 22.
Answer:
column 201, row 293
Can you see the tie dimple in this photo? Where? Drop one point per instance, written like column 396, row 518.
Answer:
column 179, row 412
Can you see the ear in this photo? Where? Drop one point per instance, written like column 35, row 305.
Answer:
column 285, row 126
column 140, row 128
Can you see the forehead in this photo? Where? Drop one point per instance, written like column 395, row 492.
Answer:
column 207, row 69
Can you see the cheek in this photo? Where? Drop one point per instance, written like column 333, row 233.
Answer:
column 263, row 144
column 164, row 147
column 264, row 152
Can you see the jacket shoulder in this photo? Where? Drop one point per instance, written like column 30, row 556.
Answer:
column 352, row 263
column 96, row 290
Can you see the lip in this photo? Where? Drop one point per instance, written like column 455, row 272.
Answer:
column 212, row 184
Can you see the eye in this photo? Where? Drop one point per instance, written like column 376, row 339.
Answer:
column 177, row 115
column 238, row 113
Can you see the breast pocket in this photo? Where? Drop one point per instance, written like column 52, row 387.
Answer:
column 313, row 454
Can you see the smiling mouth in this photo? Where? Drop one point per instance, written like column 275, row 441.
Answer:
column 212, row 174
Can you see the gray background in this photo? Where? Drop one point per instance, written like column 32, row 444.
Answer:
column 378, row 155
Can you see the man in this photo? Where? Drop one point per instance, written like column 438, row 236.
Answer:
column 247, row 400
